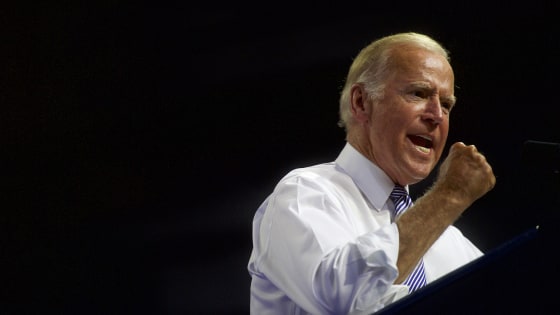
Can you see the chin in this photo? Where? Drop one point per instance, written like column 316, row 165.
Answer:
column 420, row 174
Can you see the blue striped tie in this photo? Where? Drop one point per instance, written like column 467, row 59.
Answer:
column 402, row 201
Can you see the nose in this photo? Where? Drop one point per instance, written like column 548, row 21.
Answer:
column 433, row 112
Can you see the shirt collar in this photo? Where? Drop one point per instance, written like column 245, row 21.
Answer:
column 370, row 179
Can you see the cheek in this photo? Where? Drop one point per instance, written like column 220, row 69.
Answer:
column 382, row 128
column 444, row 127
column 444, row 132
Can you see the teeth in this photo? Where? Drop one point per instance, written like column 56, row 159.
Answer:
column 423, row 143
column 422, row 149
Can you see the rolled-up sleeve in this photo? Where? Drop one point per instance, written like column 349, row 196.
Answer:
column 311, row 249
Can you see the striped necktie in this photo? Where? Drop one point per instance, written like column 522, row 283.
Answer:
column 402, row 201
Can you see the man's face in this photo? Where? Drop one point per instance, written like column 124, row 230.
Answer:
column 408, row 127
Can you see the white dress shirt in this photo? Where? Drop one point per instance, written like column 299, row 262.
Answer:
column 325, row 242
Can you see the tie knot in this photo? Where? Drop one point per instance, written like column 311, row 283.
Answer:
column 401, row 199
column 398, row 192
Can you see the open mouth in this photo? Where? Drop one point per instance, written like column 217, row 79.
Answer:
column 422, row 143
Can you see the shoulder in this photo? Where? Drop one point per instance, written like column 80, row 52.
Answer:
column 313, row 172
column 326, row 175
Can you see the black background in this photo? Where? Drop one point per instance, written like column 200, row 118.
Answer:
column 139, row 138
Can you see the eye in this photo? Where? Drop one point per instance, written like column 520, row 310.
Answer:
column 447, row 104
column 420, row 93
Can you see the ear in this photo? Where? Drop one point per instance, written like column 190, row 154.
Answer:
column 359, row 105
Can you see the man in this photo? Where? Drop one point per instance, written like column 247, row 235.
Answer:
column 328, row 239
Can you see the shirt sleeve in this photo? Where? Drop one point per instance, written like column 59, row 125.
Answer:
column 310, row 250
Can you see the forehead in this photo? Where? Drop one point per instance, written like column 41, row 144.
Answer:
column 416, row 64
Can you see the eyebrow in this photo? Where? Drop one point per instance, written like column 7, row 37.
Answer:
column 451, row 99
column 423, row 85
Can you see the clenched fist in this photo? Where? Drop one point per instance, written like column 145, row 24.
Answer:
column 465, row 174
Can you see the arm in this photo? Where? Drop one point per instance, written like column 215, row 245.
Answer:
column 464, row 177
column 309, row 247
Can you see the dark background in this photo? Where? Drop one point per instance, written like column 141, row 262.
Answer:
column 139, row 138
